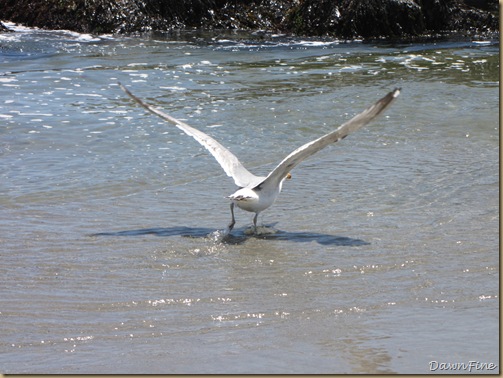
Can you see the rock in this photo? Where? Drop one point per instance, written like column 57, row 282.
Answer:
column 249, row 15
column 364, row 18
column 460, row 16
column 392, row 18
column 337, row 18
column 106, row 16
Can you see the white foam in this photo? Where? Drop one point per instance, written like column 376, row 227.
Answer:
column 78, row 37
column 174, row 88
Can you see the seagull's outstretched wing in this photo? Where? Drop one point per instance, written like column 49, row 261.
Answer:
column 308, row 149
column 229, row 162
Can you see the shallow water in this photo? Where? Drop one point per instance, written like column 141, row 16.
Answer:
column 386, row 251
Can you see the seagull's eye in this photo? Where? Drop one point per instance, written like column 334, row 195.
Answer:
column 289, row 176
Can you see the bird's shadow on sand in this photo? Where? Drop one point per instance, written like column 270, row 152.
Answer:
column 239, row 236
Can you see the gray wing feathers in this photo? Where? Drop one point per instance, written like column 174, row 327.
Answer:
column 344, row 130
column 228, row 161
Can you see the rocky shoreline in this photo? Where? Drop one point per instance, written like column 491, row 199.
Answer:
column 367, row 19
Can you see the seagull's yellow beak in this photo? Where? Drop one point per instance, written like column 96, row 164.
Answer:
column 288, row 176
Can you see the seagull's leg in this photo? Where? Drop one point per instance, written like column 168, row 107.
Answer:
column 255, row 221
column 233, row 221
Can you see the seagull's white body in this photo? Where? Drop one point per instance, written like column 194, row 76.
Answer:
column 258, row 193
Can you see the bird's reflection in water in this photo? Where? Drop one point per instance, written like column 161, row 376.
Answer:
column 240, row 236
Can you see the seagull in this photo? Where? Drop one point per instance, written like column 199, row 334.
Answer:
column 257, row 193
